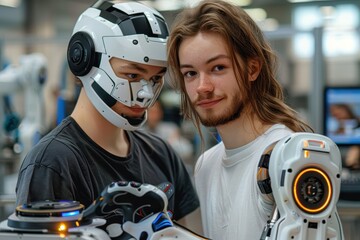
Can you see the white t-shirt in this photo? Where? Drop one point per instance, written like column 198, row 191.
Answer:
column 226, row 183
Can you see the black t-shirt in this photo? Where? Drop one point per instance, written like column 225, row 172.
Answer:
column 67, row 165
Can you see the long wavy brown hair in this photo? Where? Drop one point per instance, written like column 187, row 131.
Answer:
column 245, row 41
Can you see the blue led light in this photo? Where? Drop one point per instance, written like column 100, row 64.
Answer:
column 69, row 214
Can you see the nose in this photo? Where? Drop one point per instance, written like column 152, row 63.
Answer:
column 205, row 84
column 146, row 91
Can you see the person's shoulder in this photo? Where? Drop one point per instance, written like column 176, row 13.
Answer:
column 53, row 147
column 219, row 147
column 146, row 136
column 151, row 142
column 49, row 147
column 215, row 152
column 212, row 152
column 273, row 135
column 65, row 126
column 278, row 130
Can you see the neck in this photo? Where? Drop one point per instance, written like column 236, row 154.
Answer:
column 241, row 131
column 101, row 131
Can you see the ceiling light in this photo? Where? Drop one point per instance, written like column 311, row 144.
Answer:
column 10, row 3
column 166, row 5
column 191, row 3
column 269, row 24
column 258, row 14
column 302, row 1
column 241, row 3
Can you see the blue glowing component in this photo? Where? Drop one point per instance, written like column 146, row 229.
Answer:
column 69, row 214
column 161, row 222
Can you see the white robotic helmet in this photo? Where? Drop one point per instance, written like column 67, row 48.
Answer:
column 129, row 31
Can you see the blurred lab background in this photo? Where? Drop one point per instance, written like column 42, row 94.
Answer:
column 318, row 47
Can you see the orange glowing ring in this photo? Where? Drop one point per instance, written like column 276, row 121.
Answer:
column 321, row 178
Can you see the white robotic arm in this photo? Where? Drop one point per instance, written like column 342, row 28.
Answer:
column 30, row 73
column 305, row 170
column 28, row 78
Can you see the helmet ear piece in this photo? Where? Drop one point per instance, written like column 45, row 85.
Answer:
column 81, row 53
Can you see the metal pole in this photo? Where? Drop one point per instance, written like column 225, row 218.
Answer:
column 315, row 103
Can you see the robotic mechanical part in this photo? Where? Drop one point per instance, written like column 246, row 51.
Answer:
column 157, row 227
column 28, row 78
column 134, row 200
column 144, row 208
column 305, row 169
column 46, row 215
column 50, row 220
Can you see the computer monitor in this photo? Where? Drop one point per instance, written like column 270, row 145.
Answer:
column 342, row 115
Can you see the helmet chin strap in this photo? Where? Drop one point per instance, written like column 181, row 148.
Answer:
column 135, row 121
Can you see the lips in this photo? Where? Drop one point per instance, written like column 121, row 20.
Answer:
column 208, row 103
column 137, row 110
column 134, row 113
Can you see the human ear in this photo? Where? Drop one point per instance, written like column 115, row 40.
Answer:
column 254, row 67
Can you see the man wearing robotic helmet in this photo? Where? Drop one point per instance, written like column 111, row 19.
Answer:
column 127, row 33
column 118, row 51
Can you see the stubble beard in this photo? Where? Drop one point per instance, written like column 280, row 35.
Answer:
column 214, row 118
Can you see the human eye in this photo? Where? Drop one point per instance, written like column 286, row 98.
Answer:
column 132, row 76
column 218, row 68
column 189, row 74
